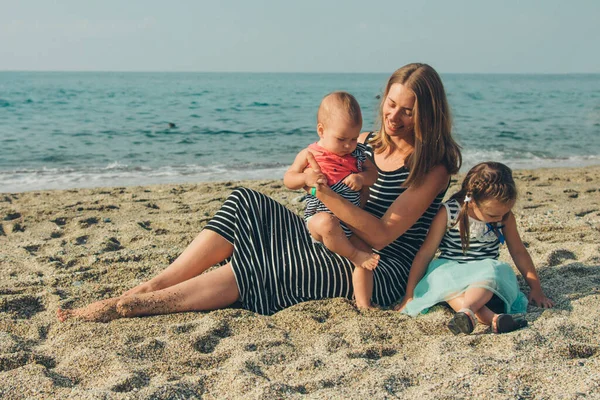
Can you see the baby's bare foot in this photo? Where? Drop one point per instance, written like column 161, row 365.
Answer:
column 365, row 305
column 366, row 260
column 100, row 311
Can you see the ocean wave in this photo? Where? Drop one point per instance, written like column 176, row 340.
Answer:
column 119, row 174
column 525, row 160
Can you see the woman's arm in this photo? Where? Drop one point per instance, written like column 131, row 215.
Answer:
column 425, row 255
column 399, row 217
column 523, row 261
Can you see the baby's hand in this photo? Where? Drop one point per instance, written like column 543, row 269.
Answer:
column 354, row 182
column 539, row 299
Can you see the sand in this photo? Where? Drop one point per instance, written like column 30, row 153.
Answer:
column 69, row 248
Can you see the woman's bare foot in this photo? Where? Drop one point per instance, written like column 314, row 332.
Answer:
column 100, row 311
column 145, row 287
column 365, row 260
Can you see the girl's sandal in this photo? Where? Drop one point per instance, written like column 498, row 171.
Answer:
column 504, row 323
column 463, row 322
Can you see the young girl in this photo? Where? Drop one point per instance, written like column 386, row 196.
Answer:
column 467, row 274
column 348, row 172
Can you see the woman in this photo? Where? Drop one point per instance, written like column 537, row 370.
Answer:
column 273, row 263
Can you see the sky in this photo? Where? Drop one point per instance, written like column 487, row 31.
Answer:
column 534, row 36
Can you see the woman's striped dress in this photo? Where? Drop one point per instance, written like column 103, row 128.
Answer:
column 276, row 264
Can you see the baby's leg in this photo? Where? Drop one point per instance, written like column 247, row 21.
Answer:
column 326, row 228
column 362, row 280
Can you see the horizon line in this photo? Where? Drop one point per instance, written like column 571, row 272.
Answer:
column 285, row 72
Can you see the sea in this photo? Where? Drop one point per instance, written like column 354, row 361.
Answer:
column 62, row 130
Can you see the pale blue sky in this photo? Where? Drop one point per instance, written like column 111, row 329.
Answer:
column 537, row 36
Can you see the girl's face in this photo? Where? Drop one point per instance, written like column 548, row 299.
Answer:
column 398, row 111
column 338, row 136
column 489, row 210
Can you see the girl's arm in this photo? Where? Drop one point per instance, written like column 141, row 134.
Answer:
column 425, row 255
column 399, row 217
column 524, row 263
column 296, row 177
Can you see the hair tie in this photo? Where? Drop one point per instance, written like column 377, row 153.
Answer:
column 467, row 199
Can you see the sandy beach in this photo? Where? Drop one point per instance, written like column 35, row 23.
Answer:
column 72, row 247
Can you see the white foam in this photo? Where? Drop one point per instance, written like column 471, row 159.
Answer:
column 121, row 175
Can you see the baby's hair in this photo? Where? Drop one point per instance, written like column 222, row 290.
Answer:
column 339, row 104
column 485, row 181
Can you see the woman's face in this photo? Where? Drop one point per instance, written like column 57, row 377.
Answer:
column 398, row 111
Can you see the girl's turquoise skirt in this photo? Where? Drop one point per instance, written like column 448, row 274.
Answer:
column 447, row 279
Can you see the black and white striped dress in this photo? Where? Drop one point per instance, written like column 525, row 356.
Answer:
column 483, row 241
column 276, row 264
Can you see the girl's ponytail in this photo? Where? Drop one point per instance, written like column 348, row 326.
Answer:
column 463, row 224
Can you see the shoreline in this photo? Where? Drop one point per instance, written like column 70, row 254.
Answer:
column 275, row 173
column 68, row 247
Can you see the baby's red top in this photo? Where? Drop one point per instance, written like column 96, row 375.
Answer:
column 333, row 166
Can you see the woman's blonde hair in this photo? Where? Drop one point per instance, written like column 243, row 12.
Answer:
column 485, row 181
column 434, row 143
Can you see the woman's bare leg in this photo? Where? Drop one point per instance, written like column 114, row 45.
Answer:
column 210, row 291
column 206, row 250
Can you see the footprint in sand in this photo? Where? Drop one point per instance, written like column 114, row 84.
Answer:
column 60, row 221
column 373, row 353
column 585, row 212
column 12, row 216
column 131, row 381
column 81, row 240
column 205, row 342
column 111, row 244
column 17, row 227
column 22, row 358
column 32, row 249
column 579, row 350
column 145, row 225
column 573, row 194
column 558, row 256
column 21, row 306
column 86, row 223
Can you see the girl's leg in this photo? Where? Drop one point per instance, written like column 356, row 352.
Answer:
column 206, row 250
column 326, row 228
column 210, row 291
column 467, row 307
column 464, row 323
column 475, row 298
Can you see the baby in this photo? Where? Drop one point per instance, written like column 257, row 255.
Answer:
column 348, row 172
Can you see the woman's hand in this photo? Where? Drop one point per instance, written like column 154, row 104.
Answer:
column 538, row 298
column 402, row 305
column 313, row 175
